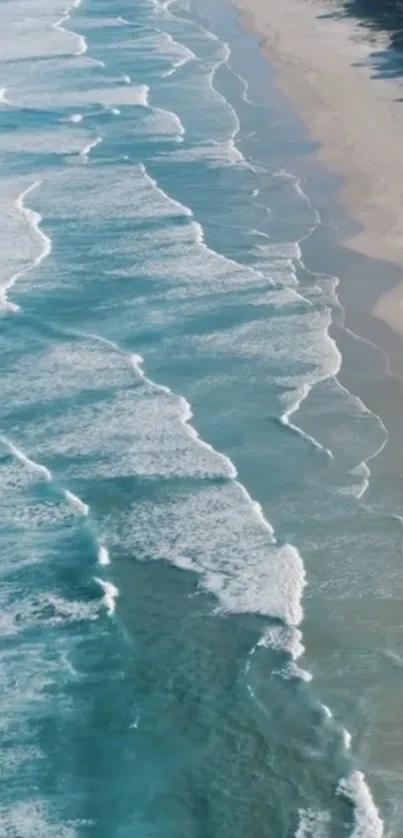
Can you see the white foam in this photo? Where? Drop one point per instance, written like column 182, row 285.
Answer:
column 111, row 109
column 159, row 121
column 253, row 574
column 288, row 639
column 218, row 273
column 85, row 153
column 38, row 468
column 15, row 757
column 31, row 818
column 50, row 85
column 362, row 469
column 42, row 609
column 291, row 670
column 394, row 657
column 58, row 140
column 220, row 122
column 95, row 61
column 69, row 666
column 270, row 341
column 368, row 822
column 33, row 218
column 76, row 117
column 358, row 490
column 222, row 58
column 245, row 85
column 76, row 502
column 257, row 510
column 111, row 593
column 176, row 66
column 82, row 47
column 313, row 823
column 119, row 96
column 248, row 273
column 283, row 638
column 172, row 203
column 35, row 515
column 347, row 739
column 224, row 153
column 103, row 556
column 3, row 98
column 186, row 416
column 66, row 611
column 234, row 594
column 298, row 397
column 239, row 561
column 234, row 590
column 142, row 430
column 63, row 371
column 181, row 54
column 20, row 505
column 356, row 435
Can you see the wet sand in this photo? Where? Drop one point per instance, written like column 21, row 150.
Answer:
column 326, row 66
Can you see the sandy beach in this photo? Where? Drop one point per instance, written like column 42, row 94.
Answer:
column 327, row 68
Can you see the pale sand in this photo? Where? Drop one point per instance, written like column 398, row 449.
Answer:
column 325, row 68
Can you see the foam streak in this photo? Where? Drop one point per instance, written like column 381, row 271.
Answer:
column 22, row 458
column 33, row 218
column 85, row 152
column 111, row 593
column 76, row 503
column 103, row 556
column 368, row 823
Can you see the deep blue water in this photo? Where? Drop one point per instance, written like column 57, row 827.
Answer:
column 182, row 476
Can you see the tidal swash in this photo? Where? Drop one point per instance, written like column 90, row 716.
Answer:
column 177, row 456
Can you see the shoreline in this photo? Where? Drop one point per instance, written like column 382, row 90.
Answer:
column 324, row 67
column 371, row 369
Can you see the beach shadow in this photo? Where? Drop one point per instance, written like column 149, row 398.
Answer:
column 376, row 16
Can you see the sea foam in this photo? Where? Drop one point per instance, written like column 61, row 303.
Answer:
column 111, row 593
column 368, row 823
column 76, row 503
column 33, row 219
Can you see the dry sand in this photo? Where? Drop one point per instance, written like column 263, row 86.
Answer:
column 327, row 68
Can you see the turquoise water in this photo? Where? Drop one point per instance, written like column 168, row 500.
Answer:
column 182, row 475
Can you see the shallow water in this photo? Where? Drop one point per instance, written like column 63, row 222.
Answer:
column 185, row 484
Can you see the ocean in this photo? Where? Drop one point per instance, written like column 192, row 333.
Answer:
column 200, row 606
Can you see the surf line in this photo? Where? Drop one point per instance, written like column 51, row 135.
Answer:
column 292, row 614
column 85, row 152
column 37, row 468
column 58, row 24
column 82, row 43
column 3, row 98
column 22, row 458
column 111, row 593
column 79, row 506
column 135, row 362
column 33, row 219
column 303, row 391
